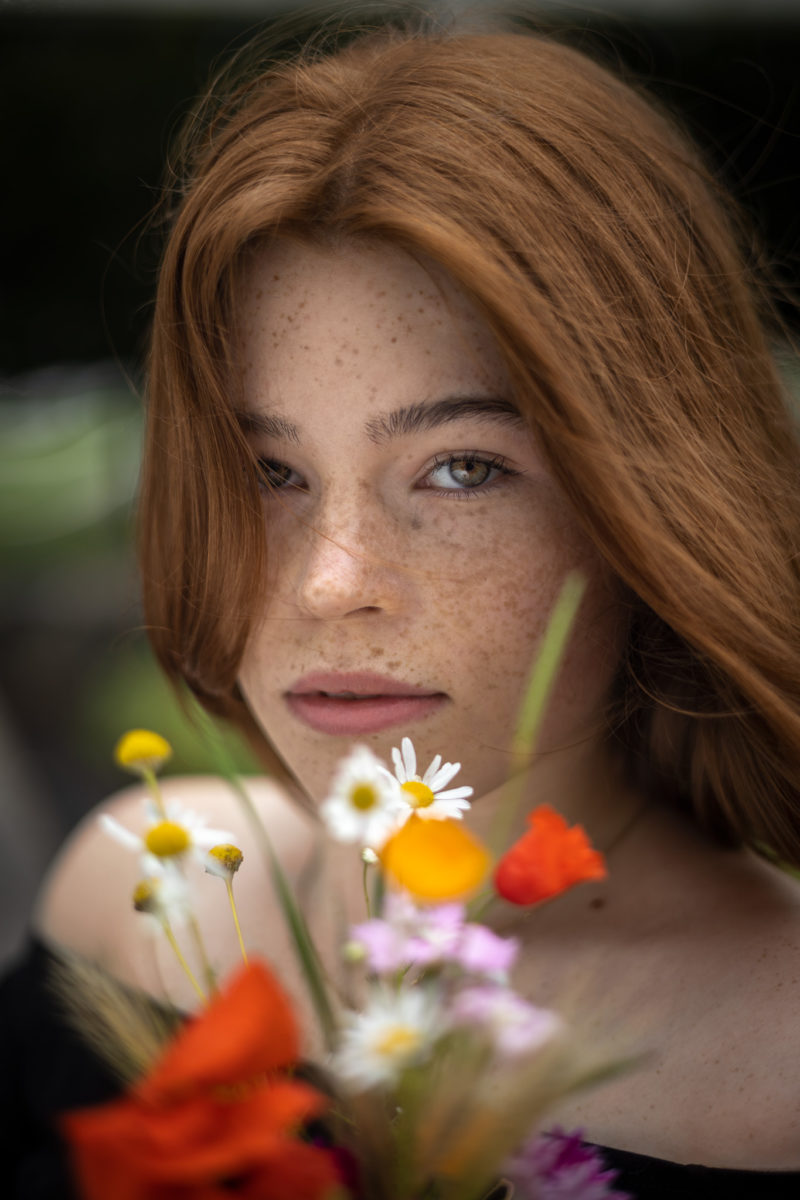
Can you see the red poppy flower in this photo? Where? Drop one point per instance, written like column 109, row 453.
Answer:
column 546, row 860
column 211, row 1120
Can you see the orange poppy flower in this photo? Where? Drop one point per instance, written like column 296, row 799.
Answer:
column 211, row 1113
column 547, row 860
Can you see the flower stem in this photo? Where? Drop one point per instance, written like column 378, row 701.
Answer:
column 208, row 970
column 304, row 947
column 150, row 778
column 537, row 694
column 366, row 889
column 229, row 887
column 170, row 936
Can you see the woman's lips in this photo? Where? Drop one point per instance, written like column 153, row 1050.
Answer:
column 349, row 705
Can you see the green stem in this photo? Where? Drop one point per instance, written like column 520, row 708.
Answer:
column 534, row 704
column 208, row 971
column 170, row 936
column 366, row 889
column 304, row 947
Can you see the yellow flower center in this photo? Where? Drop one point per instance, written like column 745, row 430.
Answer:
column 167, row 839
column 363, row 797
column 421, row 795
column 143, row 897
column 141, row 748
column 398, row 1042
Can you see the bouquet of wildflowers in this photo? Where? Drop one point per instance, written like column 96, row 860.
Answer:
column 435, row 1084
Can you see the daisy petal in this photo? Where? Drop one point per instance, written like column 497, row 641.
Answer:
column 441, row 778
column 430, row 774
column 459, row 793
column 409, row 757
column 399, row 769
column 119, row 833
column 205, row 837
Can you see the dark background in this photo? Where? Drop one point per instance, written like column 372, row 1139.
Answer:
column 89, row 104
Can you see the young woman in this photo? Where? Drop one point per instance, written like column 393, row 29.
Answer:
column 441, row 318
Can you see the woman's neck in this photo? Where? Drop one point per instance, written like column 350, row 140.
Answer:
column 585, row 784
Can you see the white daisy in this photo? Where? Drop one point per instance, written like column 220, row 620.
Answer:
column 394, row 1031
column 164, row 896
column 166, row 839
column 364, row 804
column 423, row 793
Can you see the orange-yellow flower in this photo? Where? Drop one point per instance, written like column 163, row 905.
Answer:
column 211, row 1111
column 546, row 860
column 435, row 860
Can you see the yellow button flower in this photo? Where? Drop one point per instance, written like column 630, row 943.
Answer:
column 141, row 750
column 223, row 860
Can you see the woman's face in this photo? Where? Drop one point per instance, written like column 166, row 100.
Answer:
column 416, row 540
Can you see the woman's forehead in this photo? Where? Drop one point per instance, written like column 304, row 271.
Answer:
column 363, row 315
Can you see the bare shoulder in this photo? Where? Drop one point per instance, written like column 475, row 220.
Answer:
column 711, row 997
column 85, row 904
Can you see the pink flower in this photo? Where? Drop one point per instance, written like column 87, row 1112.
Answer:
column 514, row 1026
column 483, row 952
column 407, row 936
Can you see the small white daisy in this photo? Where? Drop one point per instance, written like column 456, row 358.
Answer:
column 423, row 793
column 182, row 832
column 394, row 1031
column 164, row 896
column 364, row 804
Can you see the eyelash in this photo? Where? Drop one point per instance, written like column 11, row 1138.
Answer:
column 270, row 467
column 495, row 462
column 266, row 469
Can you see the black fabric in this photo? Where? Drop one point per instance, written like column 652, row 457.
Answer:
column 46, row 1069
column 647, row 1178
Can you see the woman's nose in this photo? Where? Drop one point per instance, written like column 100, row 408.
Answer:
column 348, row 568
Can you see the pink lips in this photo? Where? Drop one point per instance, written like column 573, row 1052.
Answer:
column 348, row 705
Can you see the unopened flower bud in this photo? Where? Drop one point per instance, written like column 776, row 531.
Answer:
column 145, row 898
column 369, row 856
column 354, row 952
column 224, row 860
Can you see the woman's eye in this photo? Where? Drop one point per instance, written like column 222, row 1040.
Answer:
column 466, row 472
column 274, row 475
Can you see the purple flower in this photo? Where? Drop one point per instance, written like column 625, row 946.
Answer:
column 560, row 1166
column 514, row 1025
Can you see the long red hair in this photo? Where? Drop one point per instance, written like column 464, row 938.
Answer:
column 597, row 246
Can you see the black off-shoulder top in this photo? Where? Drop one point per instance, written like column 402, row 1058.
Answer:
column 46, row 1069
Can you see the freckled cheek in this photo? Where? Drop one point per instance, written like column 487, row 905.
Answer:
column 495, row 597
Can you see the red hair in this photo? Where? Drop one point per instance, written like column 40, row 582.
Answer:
column 597, row 247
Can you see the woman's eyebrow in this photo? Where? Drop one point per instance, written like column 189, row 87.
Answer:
column 267, row 425
column 413, row 418
column 416, row 418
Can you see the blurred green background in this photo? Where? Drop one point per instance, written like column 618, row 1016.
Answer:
column 90, row 101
